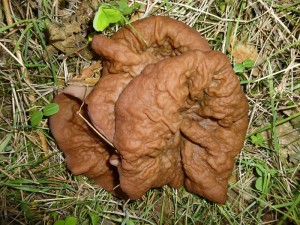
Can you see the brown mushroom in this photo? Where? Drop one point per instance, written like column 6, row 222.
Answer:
column 127, row 53
column 184, row 115
column 171, row 106
column 85, row 153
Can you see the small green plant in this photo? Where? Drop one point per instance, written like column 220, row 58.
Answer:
column 70, row 220
column 129, row 222
column 94, row 218
column 257, row 140
column 265, row 174
column 241, row 67
column 37, row 116
column 25, row 208
column 4, row 143
column 106, row 16
column 112, row 13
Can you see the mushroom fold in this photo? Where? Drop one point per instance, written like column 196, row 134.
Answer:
column 172, row 108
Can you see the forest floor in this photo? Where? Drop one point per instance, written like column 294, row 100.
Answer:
column 44, row 44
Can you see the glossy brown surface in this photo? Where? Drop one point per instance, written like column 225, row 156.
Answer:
column 85, row 153
column 171, row 106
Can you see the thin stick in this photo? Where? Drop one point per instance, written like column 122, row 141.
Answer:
column 90, row 125
column 7, row 10
column 12, row 55
column 94, row 129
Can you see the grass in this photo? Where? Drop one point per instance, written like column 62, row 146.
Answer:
column 35, row 186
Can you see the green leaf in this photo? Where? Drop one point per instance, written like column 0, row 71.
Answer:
column 253, row 139
column 259, row 184
column 113, row 15
column 129, row 222
column 124, row 8
column 137, row 5
column 59, row 222
column 36, row 117
column 248, row 63
column 104, row 17
column 54, row 214
column 20, row 181
column 50, row 109
column 70, row 220
column 26, row 188
column 223, row 7
column 100, row 21
column 25, row 208
column 5, row 141
column 238, row 68
column 260, row 170
column 257, row 139
column 94, row 218
column 90, row 36
column 260, row 139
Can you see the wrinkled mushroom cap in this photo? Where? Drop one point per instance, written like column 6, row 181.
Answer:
column 85, row 153
column 178, row 117
column 173, row 109
column 127, row 53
